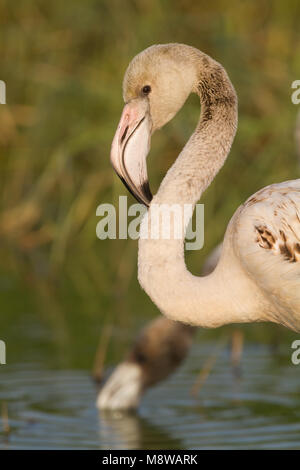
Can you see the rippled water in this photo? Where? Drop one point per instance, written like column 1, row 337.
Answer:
column 56, row 409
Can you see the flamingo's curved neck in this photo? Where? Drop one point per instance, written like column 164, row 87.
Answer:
column 202, row 301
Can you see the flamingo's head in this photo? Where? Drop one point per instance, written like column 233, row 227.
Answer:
column 156, row 84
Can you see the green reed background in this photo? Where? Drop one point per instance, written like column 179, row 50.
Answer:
column 63, row 64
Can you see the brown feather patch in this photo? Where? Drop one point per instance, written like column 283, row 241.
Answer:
column 265, row 238
column 268, row 241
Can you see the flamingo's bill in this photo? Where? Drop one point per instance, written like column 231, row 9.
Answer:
column 130, row 148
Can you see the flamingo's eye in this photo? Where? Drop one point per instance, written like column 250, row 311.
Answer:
column 146, row 89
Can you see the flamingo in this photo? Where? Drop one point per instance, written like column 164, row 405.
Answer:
column 258, row 274
column 157, row 352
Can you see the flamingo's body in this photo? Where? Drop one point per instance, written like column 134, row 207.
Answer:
column 258, row 275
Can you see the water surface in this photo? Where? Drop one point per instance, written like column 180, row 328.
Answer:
column 55, row 409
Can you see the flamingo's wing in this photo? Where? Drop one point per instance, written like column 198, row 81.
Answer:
column 268, row 245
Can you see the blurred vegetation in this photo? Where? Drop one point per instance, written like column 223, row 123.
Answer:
column 63, row 64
